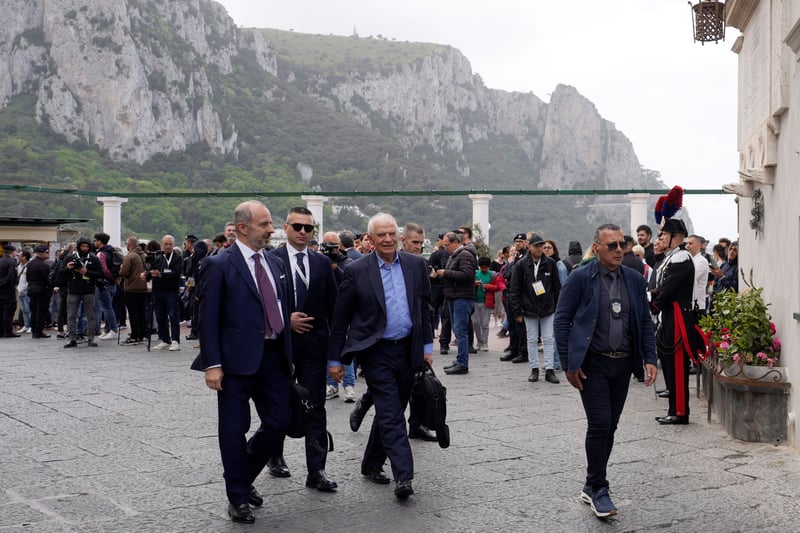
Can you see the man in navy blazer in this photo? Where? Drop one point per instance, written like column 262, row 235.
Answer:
column 246, row 352
column 603, row 334
column 314, row 287
column 382, row 317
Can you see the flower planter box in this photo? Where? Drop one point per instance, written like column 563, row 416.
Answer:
column 753, row 410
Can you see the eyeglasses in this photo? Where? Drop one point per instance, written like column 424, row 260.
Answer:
column 307, row 227
column 613, row 245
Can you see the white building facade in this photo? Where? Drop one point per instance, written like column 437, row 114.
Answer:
column 769, row 167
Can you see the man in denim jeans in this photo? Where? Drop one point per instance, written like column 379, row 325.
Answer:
column 105, row 289
column 459, row 291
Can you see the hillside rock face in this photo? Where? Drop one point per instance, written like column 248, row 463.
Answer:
column 132, row 77
column 129, row 76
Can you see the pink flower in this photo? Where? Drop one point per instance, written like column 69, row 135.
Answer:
column 736, row 358
column 772, row 328
column 776, row 345
column 724, row 345
column 761, row 355
column 770, row 362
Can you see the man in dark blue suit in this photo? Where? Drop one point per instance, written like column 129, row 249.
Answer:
column 314, row 287
column 603, row 334
column 382, row 317
column 245, row 305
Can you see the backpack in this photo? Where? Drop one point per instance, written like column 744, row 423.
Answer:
column 429, row 404
column 116, row 263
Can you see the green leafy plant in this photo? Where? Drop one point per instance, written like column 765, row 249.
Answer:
column 741, row 330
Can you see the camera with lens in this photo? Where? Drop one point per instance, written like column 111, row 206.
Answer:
column 150, row 258
column 331, row 251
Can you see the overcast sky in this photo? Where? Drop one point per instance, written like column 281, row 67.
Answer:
column 635, row 60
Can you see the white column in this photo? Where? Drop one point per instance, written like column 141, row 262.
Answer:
column 112, row 218
column 480, row 213
column 638, row 211
column 314, row 203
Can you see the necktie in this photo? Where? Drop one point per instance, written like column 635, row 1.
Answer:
column 615, row 327
column 272, row 313
column 300, row 287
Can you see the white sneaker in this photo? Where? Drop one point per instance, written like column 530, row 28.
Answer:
column 331, row 392
column 176, row 346
column 485, row 347
column 162, row 346
column 349, row 394
column 108, row 336
column 22, row 330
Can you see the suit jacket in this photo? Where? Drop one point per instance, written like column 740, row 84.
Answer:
column 359, row 318
column 577, row 311
column 319, row 304
column 232, row 324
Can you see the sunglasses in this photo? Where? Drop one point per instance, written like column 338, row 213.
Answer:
column 613, row 245
column 307, row 227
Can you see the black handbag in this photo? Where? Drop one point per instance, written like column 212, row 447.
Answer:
column 429, row 403
column 302, row 415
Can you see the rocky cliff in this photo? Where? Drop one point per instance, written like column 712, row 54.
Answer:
column 132, row 77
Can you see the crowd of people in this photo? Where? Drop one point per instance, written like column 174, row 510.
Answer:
column 316, row 310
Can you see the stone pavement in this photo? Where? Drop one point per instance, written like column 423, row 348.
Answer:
column 118, row 439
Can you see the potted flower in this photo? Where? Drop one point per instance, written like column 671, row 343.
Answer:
column 749, row 391
column 741, row 331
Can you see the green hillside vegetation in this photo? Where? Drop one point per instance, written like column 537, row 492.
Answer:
column 278, row 127
column 332, row 55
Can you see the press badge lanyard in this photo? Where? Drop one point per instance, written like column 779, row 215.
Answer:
column 299, row 273
column 538, row 286
column 169, row 260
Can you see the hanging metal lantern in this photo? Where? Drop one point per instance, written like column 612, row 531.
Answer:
column 708, row 21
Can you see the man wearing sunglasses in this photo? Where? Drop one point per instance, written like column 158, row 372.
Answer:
column 603, row 334
column 314, row 297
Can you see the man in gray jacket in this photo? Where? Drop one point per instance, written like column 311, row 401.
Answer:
column 459, row 291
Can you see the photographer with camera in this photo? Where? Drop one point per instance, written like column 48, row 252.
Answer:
column 83, row 272
column 165, row 268
column 330, row 248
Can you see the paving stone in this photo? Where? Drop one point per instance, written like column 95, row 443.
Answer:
column 121, row 439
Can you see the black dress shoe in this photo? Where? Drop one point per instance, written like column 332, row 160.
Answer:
column 91, row 344
column 375, row 475
column 422, row 433
column 456, row 369
column 472, row 349
column 507, row 348
column 319, row 480
column 241, row 513
column 358, row 414
column 403, row 489
column 534, row 377
column 673, row 420
column 192, row 337
column 254, row 498
column 444, row 351
column 520, row 359
column 508, row 357
column 61, row 336
column 663, row 394
column 12, row 335
column 71, row 344
column 277, row 467
column 550, row 376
